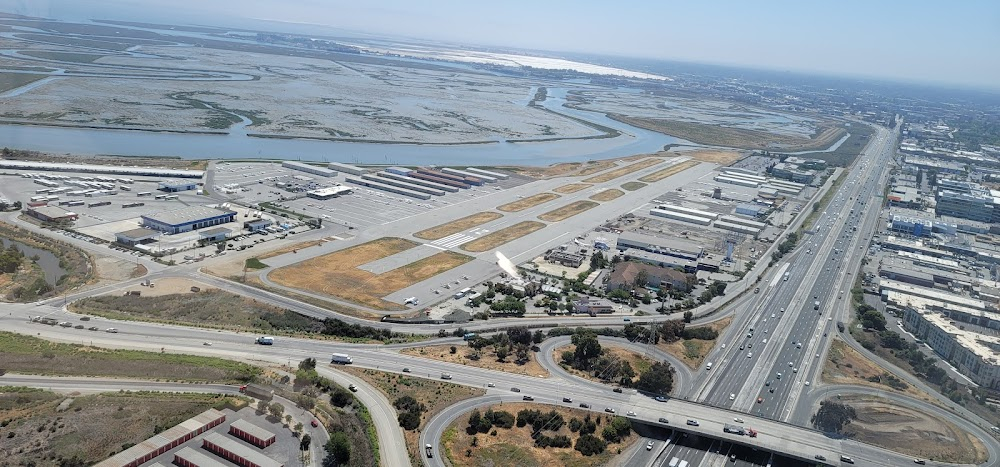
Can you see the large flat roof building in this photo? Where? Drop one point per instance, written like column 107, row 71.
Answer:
column 666, row 246
column 187, row 219
column 51, row 213
column 973, row 354
column 308, row 168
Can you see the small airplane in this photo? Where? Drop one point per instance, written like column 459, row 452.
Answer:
column 411, row 301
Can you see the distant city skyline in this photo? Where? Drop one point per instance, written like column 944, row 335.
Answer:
column 915, row 41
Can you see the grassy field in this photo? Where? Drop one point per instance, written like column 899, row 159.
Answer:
column 337, row 274
column 457, row 225
column 845, row 365
column 502, row 236
column 714, row 156
column 435, row 395
column 487, row 359
column 899, row 428
column 568, row 211
column 31, row 355
column 515, row 447
column 90, row 428
column 632, row 186
column 693, row 351
column 623, row 171
column 607, row 195
column 572, row 188
column 10, row 81
column 63, row 56
column 669, row 171
column 716, row 135
column 525, row 203
column 254, row 263
column 845, row 154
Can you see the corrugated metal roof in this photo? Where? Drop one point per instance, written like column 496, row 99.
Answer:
column 252, row 429
column 241, row 450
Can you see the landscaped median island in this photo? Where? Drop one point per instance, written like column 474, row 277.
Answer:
column 494, row 239
column 668, row 172
column 457, row 225
column 632, row 186
column 527, row 435
column 525, row 203
column 572, row 188
column 891, row 425
column 416, row 400
column 586, row 357
column 512, row 351
column 623, row 171
column 607, row 195
column 44, row 428
column 31, row 355
column 567, row 211
column 338, row 274
column 690, row 345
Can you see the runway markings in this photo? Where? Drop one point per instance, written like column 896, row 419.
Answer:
column 452, row 241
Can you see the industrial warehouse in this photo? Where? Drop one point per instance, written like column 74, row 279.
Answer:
column 187, row 219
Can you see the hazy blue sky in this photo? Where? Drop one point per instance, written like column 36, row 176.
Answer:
column 916, row 40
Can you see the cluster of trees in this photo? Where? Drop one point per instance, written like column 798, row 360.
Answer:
column 659, row 379
column 715, row 289
column 589, row 445
column 306, row 376
column 483, row 423
column 409, row 412
column 619, row 428
column 518, row 341
column 10, row 259
column 871, row 318
column 673, row 330
column 539, row 421
column 584, row 427
column 15, row 206
column 832, row 417
column 784, row 247
column 510, row 305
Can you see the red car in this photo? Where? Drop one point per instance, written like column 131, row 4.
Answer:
column 315, row 423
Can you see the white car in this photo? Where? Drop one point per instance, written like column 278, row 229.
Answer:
column 649, row 446
column 807, row 383
column 749, row 354
column 630, row 414
column 732, row 397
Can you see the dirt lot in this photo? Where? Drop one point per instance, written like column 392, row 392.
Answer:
column 31, row 355
column 693, row 351
column 667, row 172
column 45, row 426
column 714, row 156
column 568, row 211
column 290, row 248
column 640, row 363
column 499, row 237
column 514, row 447
column 846, row 366
column 435, row 395
column 623, row 171
column 607, row 195
column 488, row 359
column 336, row 274
column 566, row 169
column 571, row 188
column 522, row 204
column 457, row 225
column 167, row 286
column 632, row 186
column 902, row 429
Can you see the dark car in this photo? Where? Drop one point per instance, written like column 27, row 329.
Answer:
column 528, row 398
column 584, row 405
column 820, row 457
column 609, row 410
column 663, row 421
column 515, row 390
column 567, row 400
column 919, row 461
column 617, row 390
column 661, row 399
column 406, row 370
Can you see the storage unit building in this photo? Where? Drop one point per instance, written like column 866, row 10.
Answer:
column 187, row 219
column 741, row 221
column 166, row 440
column 498, row 176
column 309, row 169
column 235, row 452
column 403, row 185
column 468, row 175
column 346, row 168
column 680, row 216
column 251, row 433
column 736, row 181
column 190, row 457
column 389, row 188
column 449, row 176
column 684, row 210
column 737, row 228
column 443, row 181
column 399, row 170
column 417, row 181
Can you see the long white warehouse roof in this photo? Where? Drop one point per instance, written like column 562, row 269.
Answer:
column 103, row 169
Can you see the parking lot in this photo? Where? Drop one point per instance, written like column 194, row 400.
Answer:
column 364, row 207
